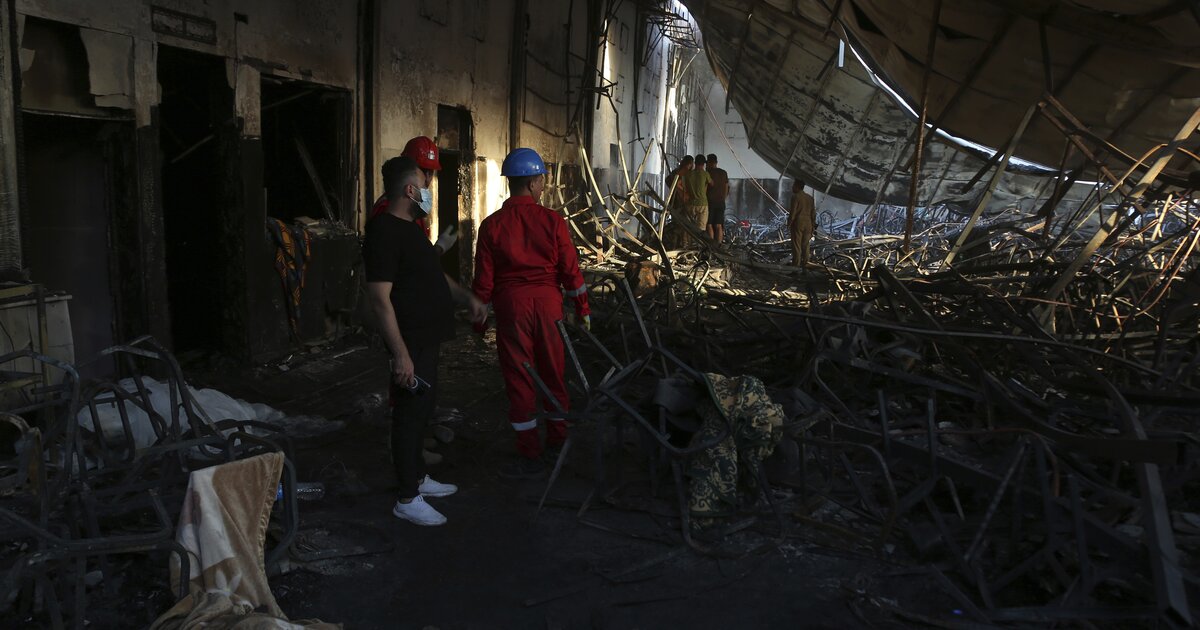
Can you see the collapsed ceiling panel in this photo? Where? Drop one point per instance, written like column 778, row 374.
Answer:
column 1108, row 70
column 813, row 111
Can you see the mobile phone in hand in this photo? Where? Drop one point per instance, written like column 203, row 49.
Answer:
column 419, row 385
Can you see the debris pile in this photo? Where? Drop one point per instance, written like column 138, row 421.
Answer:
column 1011, row 408
column 92, row 471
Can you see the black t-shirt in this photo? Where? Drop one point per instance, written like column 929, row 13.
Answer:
column 397, row 251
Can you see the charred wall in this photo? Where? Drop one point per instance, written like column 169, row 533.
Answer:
column 101, row 61
column 549, row 75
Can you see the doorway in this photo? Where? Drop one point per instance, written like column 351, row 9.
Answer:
column 306, row 151
column 456, row 146
column 72, row 179
column 449, row 195
column 195, row 117
column 307, row 176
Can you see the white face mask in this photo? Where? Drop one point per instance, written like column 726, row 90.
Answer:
column 425, row 203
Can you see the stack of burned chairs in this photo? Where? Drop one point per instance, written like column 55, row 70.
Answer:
column 74, row 494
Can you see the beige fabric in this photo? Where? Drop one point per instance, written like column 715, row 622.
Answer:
column 214, row 610
column 223, row 526
column 698, row 216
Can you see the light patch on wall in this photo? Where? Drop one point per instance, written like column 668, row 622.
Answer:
column 110, row 67
column 248, row 98
column 145, row 80
column 494, row 188
column 409, row 74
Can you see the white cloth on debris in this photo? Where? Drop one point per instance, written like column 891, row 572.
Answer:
column 209, row 403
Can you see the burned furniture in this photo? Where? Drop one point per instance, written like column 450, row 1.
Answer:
column 82, row 490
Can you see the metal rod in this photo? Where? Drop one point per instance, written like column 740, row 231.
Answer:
column 987, row 196
column 914, row 182
column 583, row 380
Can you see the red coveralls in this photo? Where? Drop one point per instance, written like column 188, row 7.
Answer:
column 524, row 254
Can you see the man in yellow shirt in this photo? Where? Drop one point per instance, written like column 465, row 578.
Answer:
column 696, row 183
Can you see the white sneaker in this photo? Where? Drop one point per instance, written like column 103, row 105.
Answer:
column 419, row 512
column 431, row 488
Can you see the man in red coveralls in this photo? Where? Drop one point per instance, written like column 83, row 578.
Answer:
column 424, row 152
column 523, row 256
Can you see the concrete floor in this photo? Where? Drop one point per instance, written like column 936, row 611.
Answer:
column 500, row 564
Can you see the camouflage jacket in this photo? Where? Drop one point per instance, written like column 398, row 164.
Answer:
column 719, row 472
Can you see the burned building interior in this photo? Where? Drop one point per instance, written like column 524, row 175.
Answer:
column 966, row 395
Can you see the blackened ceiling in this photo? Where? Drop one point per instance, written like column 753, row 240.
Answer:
column 1126, row 71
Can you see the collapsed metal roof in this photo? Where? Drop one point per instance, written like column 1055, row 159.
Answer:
column 1122, row 75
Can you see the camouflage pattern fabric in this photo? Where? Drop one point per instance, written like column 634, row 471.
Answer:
column 718, row 473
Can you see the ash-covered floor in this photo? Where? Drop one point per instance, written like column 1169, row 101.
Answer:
column 499, row 563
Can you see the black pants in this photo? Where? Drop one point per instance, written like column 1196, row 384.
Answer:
column 411, row 413
column 716, row 214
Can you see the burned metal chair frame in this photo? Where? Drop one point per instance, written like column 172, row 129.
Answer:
column 206, row 440
column 68, row 556
column 58, row 561
column 1037, row 504
column 921, row 468
column 90, row 478
column 54, row 406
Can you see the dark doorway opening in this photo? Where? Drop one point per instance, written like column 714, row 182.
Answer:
column 306, row 151
column 199, row 216
column 75, row 179
column 309, row 175
column 449, row 194
column 456, row 145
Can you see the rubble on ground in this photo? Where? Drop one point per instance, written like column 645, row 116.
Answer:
column 1015, row 423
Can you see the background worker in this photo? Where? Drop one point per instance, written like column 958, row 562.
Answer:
column 717, row 193
column 679, row 197
column 424, row 152
column 413, row 303
column 523, row 256
column 696, row 183
column 802, row 220
column 675, row 179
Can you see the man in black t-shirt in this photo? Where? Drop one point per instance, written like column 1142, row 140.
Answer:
column 413, row 303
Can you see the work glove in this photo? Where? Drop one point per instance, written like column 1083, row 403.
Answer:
column 446, row 239
column 586, row 322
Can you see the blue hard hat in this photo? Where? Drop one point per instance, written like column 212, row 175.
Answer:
column 523, row 163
